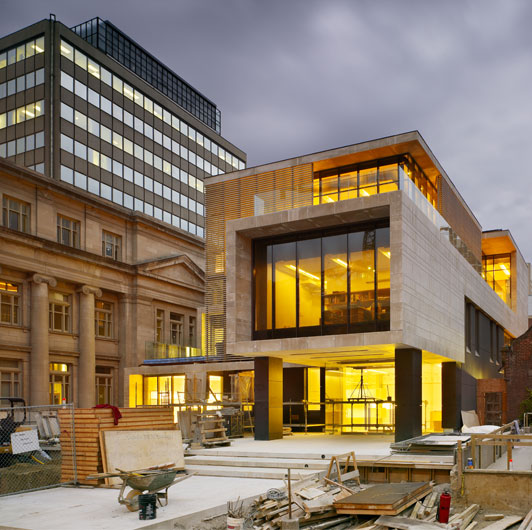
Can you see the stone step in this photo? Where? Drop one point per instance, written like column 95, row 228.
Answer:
column 248, row 472
column 280, row 463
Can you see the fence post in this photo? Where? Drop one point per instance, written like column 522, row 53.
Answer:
column 508, row 454
column 74, row 452
column 474, row 450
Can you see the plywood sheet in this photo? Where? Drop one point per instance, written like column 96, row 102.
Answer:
column 130, row 450
column 386, row 499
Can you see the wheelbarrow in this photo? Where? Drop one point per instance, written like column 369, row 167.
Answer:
column 144, row 481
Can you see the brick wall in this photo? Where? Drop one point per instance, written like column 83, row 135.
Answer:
column 517, row 362
column 491, row 385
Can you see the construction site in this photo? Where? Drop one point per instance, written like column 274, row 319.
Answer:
column 64, row 467
column 327, row 341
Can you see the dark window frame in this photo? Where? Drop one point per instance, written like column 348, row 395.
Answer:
column 322, row 329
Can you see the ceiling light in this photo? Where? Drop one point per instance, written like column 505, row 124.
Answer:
column 304, row 273
column 340, row 262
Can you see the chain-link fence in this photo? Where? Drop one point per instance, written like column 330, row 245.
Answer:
column 31, row 453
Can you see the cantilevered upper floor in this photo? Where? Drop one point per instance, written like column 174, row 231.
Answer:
column 366, row 247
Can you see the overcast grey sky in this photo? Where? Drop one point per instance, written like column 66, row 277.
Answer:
column 297, row 76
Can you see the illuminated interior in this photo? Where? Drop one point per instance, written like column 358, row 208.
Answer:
column 364, row 398
column 327, row 284
column 370, row 178
column 157, row 390
column 497, row 271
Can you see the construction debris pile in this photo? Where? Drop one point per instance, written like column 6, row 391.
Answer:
column 318, row 504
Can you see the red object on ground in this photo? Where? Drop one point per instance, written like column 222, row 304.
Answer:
column 116, row 413
column 445, row 505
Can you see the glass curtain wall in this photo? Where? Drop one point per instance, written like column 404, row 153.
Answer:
column 497, row 272
column 323, row 283
column 370, row 178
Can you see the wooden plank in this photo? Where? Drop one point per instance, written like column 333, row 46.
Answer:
column 404, row 523
column 504, row 523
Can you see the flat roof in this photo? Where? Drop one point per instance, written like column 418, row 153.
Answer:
column 409, row 142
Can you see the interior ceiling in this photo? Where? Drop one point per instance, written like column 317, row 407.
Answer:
column 366, row 356
column 497, row 244
column 413, row 147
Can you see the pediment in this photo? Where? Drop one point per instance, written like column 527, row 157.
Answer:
column 178, row 268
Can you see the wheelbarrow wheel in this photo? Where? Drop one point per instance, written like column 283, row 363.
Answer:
column 132, row 500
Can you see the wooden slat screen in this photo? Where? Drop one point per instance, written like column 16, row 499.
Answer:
column 247, row 196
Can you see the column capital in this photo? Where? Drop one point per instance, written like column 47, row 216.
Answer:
column 41, row 278
column 89, row 289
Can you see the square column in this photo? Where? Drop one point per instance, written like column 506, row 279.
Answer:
column 451, row 395
column 407, row 393
column 268, row 398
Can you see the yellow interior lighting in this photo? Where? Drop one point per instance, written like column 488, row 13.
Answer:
column 340, row 262
column 364, row 192
column 38, row 48
column 63, row 49
column 304, row 273
column 386, row 253
column 504, row 269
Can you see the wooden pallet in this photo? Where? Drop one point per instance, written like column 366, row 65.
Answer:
column 87, row 425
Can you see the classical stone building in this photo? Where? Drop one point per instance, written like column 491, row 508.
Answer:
column 88, row 288
column 362, row 271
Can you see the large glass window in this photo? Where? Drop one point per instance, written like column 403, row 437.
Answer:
column 369, row 178
column 334, row 282
column 497, row 271
column 9, row 303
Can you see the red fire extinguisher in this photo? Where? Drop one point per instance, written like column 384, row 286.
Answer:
column 444, row 507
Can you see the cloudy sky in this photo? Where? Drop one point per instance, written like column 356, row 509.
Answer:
column 297, row 76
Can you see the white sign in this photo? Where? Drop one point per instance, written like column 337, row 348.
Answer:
column 24, row 442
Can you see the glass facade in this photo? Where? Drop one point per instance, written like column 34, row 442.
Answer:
column 323, row 283
column 22, row 104
column 369, row 178
column 118, row 143
column 109, row 39
column 497, row 271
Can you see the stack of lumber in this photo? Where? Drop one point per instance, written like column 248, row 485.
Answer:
column 312, row 505
column 88, row 423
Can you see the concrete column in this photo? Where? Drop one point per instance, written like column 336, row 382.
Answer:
column 268, row 398
column 87, row 347
column 127, row 340
column 451, row 395
column 407, row 393
column 40, row 353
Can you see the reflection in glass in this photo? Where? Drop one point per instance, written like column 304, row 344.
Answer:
column 309, row 265
column 362, row 276
column 383, row 274
column 335, row 279
column 284, row 258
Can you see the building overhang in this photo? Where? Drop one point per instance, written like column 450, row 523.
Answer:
column 330, row 350
column 496, row 242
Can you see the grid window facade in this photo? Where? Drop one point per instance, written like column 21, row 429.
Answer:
column 15, row 214
column 113, row 42
column 103, row 316
column 21, row 52
column 67, row 231
column 111, row 245
column 10, row 296
column 139, row 155
column 10, row 378
column 192, row 331
column 59, row 312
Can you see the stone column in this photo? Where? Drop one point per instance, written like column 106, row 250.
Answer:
column 40, row 353
column 268, row 398
column 407, row 393
column 87, row 347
